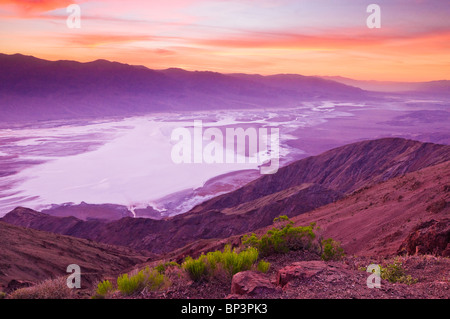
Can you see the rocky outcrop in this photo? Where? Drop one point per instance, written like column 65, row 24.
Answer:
column 300, row 270
column 431, row 237
column 251, row 283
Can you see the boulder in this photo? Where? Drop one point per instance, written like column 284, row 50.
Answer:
column 300, row 270
column 251, row 283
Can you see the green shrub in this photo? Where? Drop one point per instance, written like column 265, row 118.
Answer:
column 396, row 273
column 214, row 260
column 234, row 262
column 147, row 277
column 129, row 285
column 196, row 268
column 263, row 266
column 227, row 260
column 332, row 250
column 283, row 238
column 104, row 287
column 154, row 279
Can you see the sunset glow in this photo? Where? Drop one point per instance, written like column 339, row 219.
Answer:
column 267, row 37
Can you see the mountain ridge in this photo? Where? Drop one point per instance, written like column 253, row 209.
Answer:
column 36, row 89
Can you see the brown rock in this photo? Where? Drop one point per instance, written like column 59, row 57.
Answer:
column 430, row 237
column 301, row 270
column 251, row 283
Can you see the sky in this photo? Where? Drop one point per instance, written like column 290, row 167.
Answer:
column 315, row 37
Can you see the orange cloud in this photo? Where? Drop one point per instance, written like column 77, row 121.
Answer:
column 34, row 6
column 93, row 40
column 365, row 42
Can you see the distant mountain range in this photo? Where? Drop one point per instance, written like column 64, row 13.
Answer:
column 432, row 87
column 35, row 89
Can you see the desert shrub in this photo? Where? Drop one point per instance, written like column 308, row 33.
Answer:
column 396, row 273
column 129, row 285
column 154, row 279
column 103, row 288
column 234, row 262
column 263, row 266
column 283, row 238
column 196, row 268
column 332, row 250
column 229, row 261
column 213, row 260
column 146, row 278
column 161, row 268
column 48, row 289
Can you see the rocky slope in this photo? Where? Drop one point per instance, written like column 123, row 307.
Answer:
column 29, row 256
column 299, row 275
column 391, row 217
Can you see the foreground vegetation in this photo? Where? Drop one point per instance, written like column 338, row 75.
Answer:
column 217, row 263
column 227, row 261
column 281, row 238
column 395, row 272
column 284, row 237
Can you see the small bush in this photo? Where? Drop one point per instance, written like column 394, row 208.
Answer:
column 129, row 285
column 146, row 278
column 263, row 266
column 104, row 287
column 196, row 268
column 332, row 250
column 227, row 260
column 234, row 262
column 48, row 289
column 2, row 295
column 396, row 273
column 283, row 238
column 154, row 279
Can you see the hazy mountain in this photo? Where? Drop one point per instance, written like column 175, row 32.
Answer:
column 35, row 89
column 437, row 87
column 86, row 211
